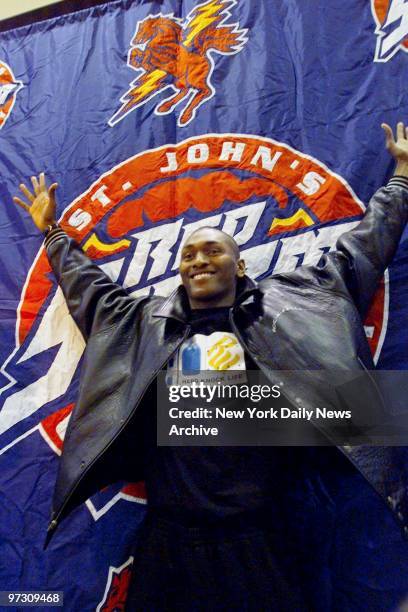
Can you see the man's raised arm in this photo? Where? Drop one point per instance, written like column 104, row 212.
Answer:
column 94, row 300
column 362, row 254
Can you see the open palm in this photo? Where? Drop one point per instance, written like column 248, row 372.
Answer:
column 42, row 207
column 397, row 147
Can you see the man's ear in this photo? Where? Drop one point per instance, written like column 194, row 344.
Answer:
column 241, row 267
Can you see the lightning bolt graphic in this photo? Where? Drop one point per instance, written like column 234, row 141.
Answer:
column 393, row 31
column 203, row 16
column 140, row 90
column 56, row 328
column 146, row 85
column 6, row 90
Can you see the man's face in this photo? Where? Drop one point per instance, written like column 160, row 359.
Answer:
column 209, row 269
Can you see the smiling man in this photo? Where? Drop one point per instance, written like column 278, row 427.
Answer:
column 237, row 528
column 209, row 268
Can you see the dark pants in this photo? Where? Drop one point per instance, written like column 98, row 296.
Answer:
column 332, row 545
column 231, row 568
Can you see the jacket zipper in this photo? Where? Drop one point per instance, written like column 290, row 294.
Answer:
column 53, row 524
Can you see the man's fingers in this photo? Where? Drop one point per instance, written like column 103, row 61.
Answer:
column 42, row 181
column 26, row 192
column 52, row 189
column 389, row 136
column 400, row 130
column 36, row 186
column 21, row 203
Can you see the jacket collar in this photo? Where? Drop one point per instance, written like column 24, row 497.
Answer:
column 177, row 306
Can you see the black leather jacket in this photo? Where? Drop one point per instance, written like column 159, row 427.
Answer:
column 309, row 318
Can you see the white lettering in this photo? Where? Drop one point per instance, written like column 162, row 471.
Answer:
column 194, row 430
column 264, row 154
column 198, row 153
column 258, row 258
column 101, row 196
column 323, row 413
column 223, row 413
column 252, row 214
column 80, row 219
column 166, row 236
column 308, row 248
column 312, row 181
column 293, row 251
column 232, row 151
column 254, row 413
column 171, row 162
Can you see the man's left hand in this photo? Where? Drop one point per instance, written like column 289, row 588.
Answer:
column 398, row 147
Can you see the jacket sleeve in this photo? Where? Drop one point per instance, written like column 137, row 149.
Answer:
column 94, row 300
column 361, row 255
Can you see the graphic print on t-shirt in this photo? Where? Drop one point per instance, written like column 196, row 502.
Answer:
column 218, row 357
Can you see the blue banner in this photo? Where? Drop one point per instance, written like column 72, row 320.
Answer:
column 261, row 118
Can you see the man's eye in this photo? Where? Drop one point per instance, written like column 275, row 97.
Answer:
column 187, row 256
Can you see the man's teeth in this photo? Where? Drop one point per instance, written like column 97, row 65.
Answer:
column 202, row 275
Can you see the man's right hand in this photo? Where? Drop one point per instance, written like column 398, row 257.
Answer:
column 43, row 207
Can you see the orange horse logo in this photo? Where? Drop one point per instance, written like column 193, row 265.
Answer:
column 170, row 53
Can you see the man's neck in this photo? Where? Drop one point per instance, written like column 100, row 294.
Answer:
column 200, row 304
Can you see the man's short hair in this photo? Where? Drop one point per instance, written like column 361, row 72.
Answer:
column 230, row 239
